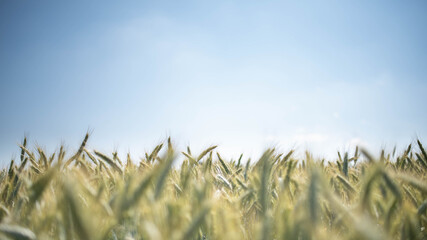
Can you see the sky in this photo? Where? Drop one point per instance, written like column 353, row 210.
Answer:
column 245, row 75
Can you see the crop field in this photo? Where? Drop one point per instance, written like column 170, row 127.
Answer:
column 92, row 195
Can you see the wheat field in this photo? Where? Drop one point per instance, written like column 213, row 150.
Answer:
column 94, row 195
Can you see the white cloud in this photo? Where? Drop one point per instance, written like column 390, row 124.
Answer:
column 311, row 137
column 356, row 142
column 336, row 115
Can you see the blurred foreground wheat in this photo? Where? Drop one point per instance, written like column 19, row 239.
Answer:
column 92, row 195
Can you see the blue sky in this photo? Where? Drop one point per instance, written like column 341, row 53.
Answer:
column 322, row 75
